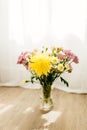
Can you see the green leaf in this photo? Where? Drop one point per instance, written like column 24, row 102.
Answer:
column 46, row 48
column 42, row 51
column 64, row 81
column 32, row 79
column 26, row 81
column 54, row 54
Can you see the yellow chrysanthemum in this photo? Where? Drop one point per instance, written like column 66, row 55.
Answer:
column 40, row 64
column 67, row 67
column 60, row 67
column 55, row 60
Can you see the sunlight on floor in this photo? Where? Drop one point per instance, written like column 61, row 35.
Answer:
column 5, row 108
column 45, row 129
column 1, row 105
column 29, row 109
column 51, row 117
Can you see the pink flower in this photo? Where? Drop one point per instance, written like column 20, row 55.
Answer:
column 61, row 56
column 22, row 59
column 71, row 56
column 76, row 60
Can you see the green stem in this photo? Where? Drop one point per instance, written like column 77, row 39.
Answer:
column 46, row 91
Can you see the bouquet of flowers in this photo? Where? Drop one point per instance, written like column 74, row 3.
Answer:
column 48, row 64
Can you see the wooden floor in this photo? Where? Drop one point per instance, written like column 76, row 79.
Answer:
column 19, row 110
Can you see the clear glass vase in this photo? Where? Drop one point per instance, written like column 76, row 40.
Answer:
column 46, row 99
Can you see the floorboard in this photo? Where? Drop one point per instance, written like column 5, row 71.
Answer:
column 19, row 110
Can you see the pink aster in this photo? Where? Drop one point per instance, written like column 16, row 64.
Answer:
column 71, row 56
column 76, row 60
column 61, row 56
column 22, row 58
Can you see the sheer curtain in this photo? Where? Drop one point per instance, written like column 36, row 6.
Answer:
column 26, row 25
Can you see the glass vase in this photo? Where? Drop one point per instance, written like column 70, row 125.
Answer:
column 46, row 99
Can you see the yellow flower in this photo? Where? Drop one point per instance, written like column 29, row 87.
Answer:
column 34, row 52
column 67, row 67
column 55, row 60
column 40, row 64
column 60, row 67
column 24, row 81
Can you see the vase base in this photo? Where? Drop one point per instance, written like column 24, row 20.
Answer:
column 46, row 105
column 46, row 108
